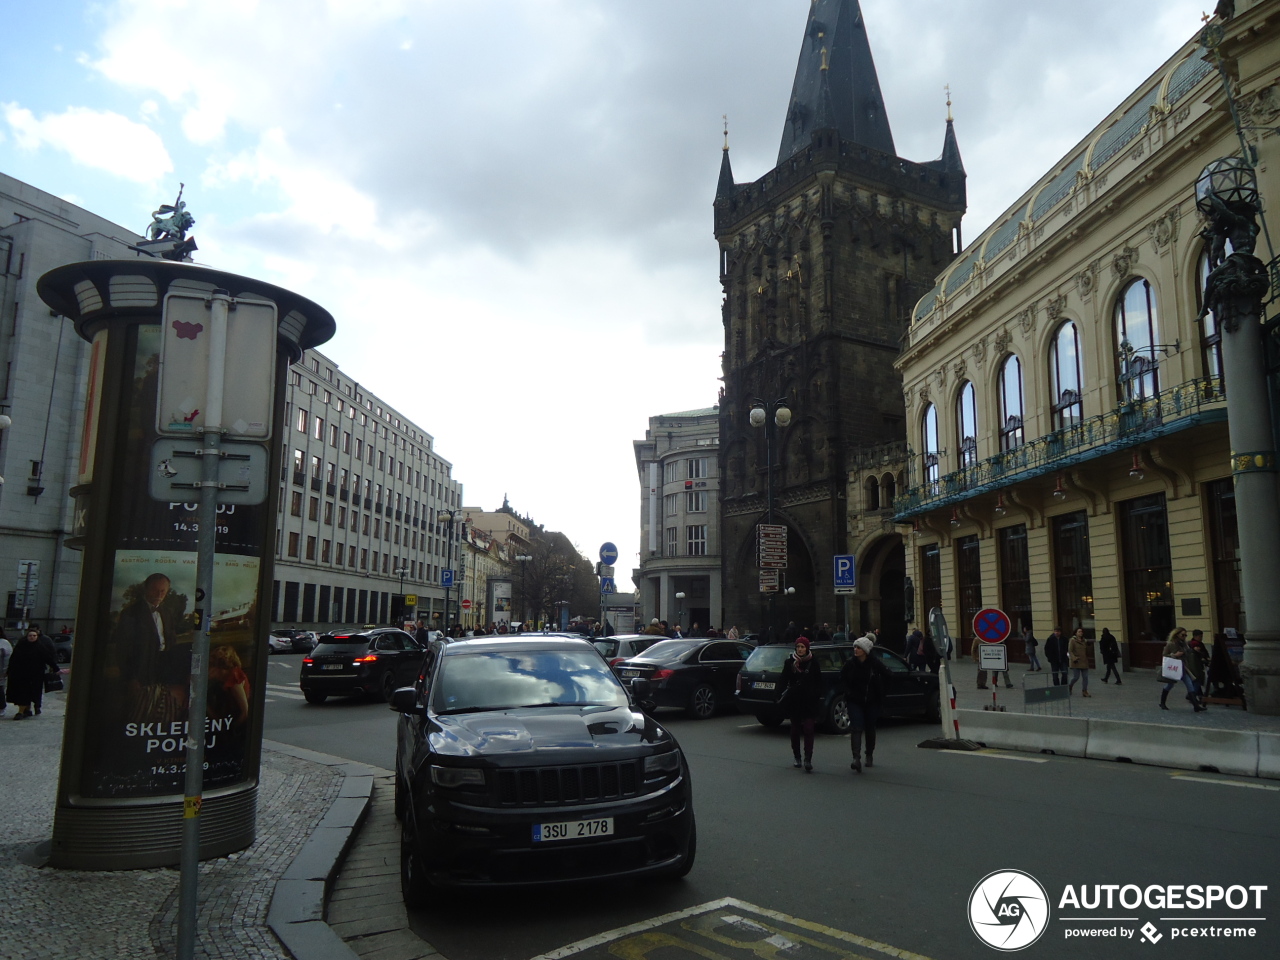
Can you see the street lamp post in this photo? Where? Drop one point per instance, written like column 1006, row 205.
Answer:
column 402, row 570
column 1227, row 194
column 523, row 560
column 680, row 611
column 770, row 416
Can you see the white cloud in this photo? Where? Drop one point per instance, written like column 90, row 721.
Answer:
column 96, row 138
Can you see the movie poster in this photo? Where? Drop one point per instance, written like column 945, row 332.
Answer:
column 142, row 666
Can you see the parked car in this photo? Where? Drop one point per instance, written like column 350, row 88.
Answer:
column 523, row 761
column 304, row 641
column 617, row 649
column 910, row 692
column 370, row 662
column 696, row 675
column 280, row 641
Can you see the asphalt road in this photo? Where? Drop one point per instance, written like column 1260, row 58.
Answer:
column 851, row 865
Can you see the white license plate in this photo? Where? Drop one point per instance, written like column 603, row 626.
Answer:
column 631, row 673
column 762, row 686
column 331, row 666
column 572, row 830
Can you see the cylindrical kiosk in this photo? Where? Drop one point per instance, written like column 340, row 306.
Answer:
column 120, row 801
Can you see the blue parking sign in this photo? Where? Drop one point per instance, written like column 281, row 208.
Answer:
column 446, row 578
column 844, row 573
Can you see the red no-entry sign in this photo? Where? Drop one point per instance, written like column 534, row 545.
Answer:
column 991, row 625
column 466, row 604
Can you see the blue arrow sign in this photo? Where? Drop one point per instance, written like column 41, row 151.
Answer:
column 608, row 553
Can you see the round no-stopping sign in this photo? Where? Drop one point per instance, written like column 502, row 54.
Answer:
column 991, row 625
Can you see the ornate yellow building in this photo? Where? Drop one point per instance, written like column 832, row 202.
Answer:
column 1068, row 455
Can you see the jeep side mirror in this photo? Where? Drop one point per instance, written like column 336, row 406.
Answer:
column 404, row 700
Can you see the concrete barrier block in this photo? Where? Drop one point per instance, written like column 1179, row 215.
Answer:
column 1065, row 736
column 1166, row 745
column 1269, row 755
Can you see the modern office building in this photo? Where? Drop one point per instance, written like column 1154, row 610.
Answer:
column 43, row 376
column 678, row 466
column 362, row 488
column 1070, row 460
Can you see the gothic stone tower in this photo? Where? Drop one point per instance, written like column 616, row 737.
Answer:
column 822, row 260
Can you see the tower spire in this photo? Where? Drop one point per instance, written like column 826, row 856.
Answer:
column 950, row 160
column 725, row 188
column 836, row 54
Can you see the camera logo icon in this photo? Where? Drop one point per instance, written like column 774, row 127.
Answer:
column 1008, row 910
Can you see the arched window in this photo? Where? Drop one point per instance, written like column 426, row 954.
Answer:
column 967, row 424
column 887, row 490
column 873, row 493
column 1064, row 372
column 1011, row 426
column 930, row 446
column 1211, row 335
column 1136, row 339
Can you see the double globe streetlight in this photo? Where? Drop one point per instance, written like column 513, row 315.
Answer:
column 770, row 416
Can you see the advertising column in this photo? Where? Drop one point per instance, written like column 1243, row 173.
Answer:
column 120, row 795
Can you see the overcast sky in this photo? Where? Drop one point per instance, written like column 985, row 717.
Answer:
column 507, row 205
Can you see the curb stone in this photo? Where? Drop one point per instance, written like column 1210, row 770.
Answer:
column 297, row 911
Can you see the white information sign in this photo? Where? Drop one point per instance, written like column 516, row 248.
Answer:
column 993, row 656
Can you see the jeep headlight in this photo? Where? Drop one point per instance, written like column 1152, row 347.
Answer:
column 454, row 777
column 662, row 764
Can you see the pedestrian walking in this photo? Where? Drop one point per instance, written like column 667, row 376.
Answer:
column 1055, row 651
column 6, row 650
column 1198, row 661
column 1078, row 659
column 732, row 634
column 865, row 678
column 801, row 684
column 1110, row 650
column 916, row 656
column 1030, row 643
column 27, row 667
column 1175, row 648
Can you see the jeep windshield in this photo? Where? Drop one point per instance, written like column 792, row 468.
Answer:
column 498, row 680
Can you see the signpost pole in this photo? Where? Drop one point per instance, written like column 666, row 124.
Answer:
column 206, row 547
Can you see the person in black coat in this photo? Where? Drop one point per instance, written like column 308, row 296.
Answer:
column 27, row 667
column 1110, row 651
column 801, row 696
column 865, row 678
column 1055, row 651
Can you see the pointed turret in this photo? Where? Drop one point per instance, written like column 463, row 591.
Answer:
column 950, row 160
column 852, row 103
column 726, row 187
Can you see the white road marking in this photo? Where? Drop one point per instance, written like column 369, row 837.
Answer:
column 994, row 756
column 1227, row 783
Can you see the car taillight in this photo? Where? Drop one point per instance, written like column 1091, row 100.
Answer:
column 369, row 659
column 661, row 674
column 307, row 660
column 616, row 660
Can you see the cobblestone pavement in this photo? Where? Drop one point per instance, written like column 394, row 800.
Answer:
column 87, row 915
column 1137, row 699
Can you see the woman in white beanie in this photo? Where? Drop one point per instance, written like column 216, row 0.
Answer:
column 865, row 678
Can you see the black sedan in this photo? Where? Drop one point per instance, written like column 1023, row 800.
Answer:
column 523, row 761
column 370, row 662
column 696, row 675
column 911, row 693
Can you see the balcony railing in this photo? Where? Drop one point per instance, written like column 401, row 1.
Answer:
column 1169, row 411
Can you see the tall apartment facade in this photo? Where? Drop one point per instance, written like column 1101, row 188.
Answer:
column 821, row 260
column 44, row 371
column 362, row 488
column 678, row 466
column 1070, row 460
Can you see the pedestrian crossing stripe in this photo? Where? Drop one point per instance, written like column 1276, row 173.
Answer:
column 708, row 923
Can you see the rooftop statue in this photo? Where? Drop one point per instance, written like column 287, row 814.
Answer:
column 167, row 233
